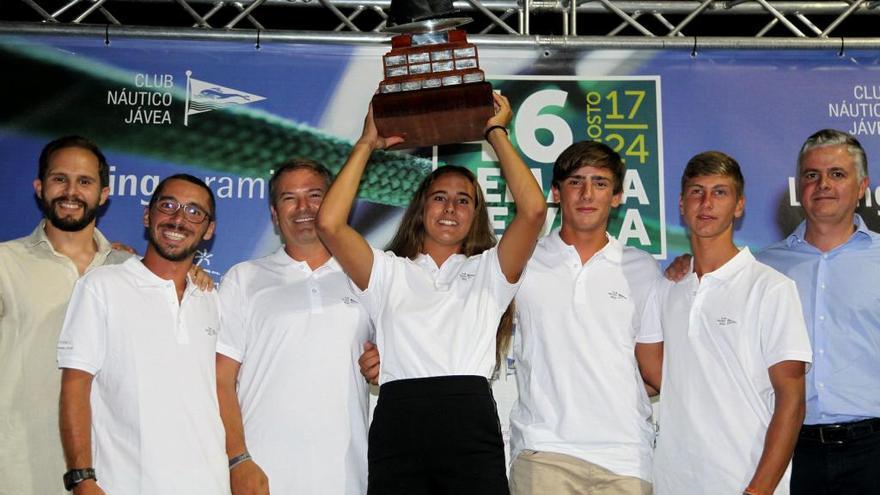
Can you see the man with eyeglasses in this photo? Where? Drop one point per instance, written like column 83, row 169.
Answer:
column 139, row 411
column 37, row 274
column 294, row 407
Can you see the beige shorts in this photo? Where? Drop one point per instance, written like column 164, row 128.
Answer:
column 549, row 473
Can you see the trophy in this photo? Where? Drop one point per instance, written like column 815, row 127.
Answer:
column 434, row 91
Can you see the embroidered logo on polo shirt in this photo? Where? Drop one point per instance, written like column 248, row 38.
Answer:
column 725, row 321
column 349, row 300
column 211, row 331
column 465, row 276
column 616, row 295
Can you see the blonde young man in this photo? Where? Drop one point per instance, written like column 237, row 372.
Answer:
column 735, row 353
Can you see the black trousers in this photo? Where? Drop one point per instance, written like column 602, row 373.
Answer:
column 436, row 435
column 838, row 463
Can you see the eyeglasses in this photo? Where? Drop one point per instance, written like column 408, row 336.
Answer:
column 191, row 212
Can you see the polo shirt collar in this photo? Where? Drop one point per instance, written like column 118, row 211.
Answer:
column 427, row 262
column 146, row 278
column 284, row 260
column 612, row 251
column 861, row 234
column 38, row 238
column 742, row 259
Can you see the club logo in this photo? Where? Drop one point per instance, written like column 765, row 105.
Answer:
column 203, row 96
column 616, row 295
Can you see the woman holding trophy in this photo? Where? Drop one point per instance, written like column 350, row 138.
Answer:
column 436, row 299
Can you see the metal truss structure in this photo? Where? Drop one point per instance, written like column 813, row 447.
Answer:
column 555, row 23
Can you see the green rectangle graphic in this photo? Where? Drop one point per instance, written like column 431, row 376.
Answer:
column 551, row 113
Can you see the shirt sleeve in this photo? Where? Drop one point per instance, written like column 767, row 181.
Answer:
column 502, row 289
column 650, row 330
column 642, row 287
column 784, row 335
column 83, row 341
column 377, row 287
column 232, row 339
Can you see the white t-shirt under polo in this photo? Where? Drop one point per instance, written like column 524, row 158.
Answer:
column 156, row 426
column 436, row 321
column 721, row 335
column 298, row 334
column 580, row 390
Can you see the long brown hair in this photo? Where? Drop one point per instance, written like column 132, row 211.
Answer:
column 408, row 241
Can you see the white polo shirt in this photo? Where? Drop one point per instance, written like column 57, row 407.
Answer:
column 298, row 334
column 156, row 426
column 580, row 390
column 436, row 321
column 721, row 335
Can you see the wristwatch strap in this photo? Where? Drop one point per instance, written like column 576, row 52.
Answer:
column 77, row 476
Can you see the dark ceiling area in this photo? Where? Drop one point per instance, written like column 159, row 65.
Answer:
column 594, row 18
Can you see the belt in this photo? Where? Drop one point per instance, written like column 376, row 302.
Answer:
column 839, row 433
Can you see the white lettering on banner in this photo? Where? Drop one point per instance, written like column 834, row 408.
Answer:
column 132, row 98
column 633, row 227
column 864, row 112
column 865, row 127
column 792, row 192
column 149, row 183
column 225, row 187
column 486, row 184
column 866, row 91
column 149, row 106
column 528, row 121
column 633, row 188
column 154, row 80
column 552, row 212
column 494, row 213
column 855, row 110
column 139, row 116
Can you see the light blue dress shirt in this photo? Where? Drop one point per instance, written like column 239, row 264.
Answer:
column 840, row 295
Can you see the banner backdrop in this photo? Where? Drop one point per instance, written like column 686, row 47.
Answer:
column 228, row 111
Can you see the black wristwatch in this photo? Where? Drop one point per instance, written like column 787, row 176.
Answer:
column 77, row 476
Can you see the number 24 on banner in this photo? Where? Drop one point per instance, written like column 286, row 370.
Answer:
column 612, row 117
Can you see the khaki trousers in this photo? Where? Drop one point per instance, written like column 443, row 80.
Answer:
column 549, row 473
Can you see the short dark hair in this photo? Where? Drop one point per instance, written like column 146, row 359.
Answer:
column 714, row 163
column 589, row 154
column 292, row 164
column 73, row 141
column 192, row 180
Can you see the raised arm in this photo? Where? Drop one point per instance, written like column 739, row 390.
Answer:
column 76, row 426
column 346, row 244
column 787, row 379
column 246, row 478
column 519, row 239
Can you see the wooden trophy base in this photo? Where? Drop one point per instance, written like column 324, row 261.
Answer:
column 428, row 117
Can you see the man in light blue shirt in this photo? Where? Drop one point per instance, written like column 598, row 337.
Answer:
column 835, row 261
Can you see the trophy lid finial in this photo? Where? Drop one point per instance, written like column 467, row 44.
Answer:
column 423, row 16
